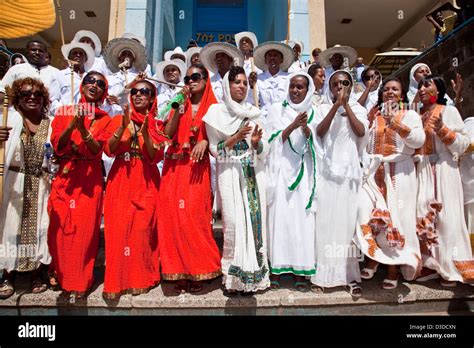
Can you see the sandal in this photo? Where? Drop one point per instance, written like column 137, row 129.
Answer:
column 181, row 286
column 38, row 286
column 6, row 289
column 53, row 281
column 448, row 284
column 317, row 289
column 369, row 271
column 195, row 287
column 274, row 285
column 302, row 286
column 354, row 289
column 389, row 284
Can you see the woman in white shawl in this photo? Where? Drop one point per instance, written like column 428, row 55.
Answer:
column 371, row 81
column 24, row 217
column 444, row 239
column 420, row 70
column 236, row 139
column 291, row 175
column 386, row 229
column 341, row 128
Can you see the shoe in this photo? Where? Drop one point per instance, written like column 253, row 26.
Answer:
column 6, row 289
column 354, row 289
column 448, row 284
column 370, row 272
column 317, row 289
column 389, row 284
column 427, row 274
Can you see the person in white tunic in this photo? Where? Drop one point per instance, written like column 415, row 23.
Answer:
column 82, row 56
column 246, row 41
column 24, row 217
column 444, row 239
column 386, row 228
column 274, row 59
column 297, row 65
column 467, row 176
column 219, row 57
column 172, row 71
column 237, row 140
column 36, row 53
column 91, row 38
column 369, row 94
column 341, row 129
column 291, row 183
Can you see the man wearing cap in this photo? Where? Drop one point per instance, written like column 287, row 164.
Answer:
column 37, row 66
column 82, row 56
column 246, row 41
column 90, row 38
column 219, row 57
column 297, row 65
column 336, row 58
column 274, row 58
column 173, row 72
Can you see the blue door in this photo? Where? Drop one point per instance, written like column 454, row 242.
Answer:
column 219, row 20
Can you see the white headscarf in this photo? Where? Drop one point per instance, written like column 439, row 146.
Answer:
column 413, row 84
column 228, row 116
column 307, row 103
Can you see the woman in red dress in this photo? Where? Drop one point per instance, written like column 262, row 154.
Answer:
column 131, row 198
column 75, row 203
column 188, row 250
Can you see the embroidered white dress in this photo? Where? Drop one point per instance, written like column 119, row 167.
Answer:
column 392, row 161
column 291, row 214
column 439, row 181
column 338, row 182
column 12, row 248
column 467, row 176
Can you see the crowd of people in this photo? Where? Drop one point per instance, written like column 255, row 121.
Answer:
column 311, row 166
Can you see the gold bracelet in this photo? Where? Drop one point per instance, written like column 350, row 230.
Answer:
column 88, row 137
column 116, row 136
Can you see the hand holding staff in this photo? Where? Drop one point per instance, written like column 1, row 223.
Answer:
column 4, row 129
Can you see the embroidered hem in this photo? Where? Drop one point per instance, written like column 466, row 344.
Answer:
column 194, row 277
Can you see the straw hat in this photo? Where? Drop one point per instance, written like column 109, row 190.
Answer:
column 178, row 50
column 191, row 52
column 133, row 36
column 208, row 54
column 249, row 34
column 90, row 55
column 261, row 50
column 346, row 52
column 161, row 66
column 116, row 46
column 91, row 35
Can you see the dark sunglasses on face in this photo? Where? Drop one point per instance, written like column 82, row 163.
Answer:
column 89, row 80
column 369, row 77
column 143, row 91
column 27, row 94
column 193, row 77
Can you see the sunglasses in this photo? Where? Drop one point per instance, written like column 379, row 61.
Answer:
column 369, row 77
column 27, row 94
column 89, row 80
column 143, row 91
column 193, row 77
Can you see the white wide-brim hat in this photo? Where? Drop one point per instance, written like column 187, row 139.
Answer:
column 91, row 35
column 160, row 68
column 208, row 54
column 261, row 50
column 133, row 36
column 191, row 52
column 178, row 50
column 292, row 44
column 249, row 34
column 114, row 47
column 90, row 54
column 346, row 52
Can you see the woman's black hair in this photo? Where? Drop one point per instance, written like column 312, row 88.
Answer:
column 234, row 71
column 440, row 86
column 404, row 98
column 204, row 72
column 314, row 68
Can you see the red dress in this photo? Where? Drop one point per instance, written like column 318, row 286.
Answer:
column 187, row 246
column 130, row 209
column 75, row 203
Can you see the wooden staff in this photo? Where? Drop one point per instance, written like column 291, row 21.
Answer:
column 60, row 15
column 164, row 82
column 255, row 91
column 2, row 147
column 289, row 17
